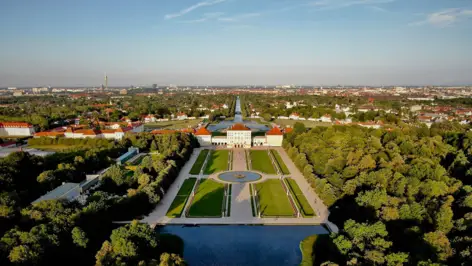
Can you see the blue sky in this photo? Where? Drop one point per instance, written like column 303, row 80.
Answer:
column 229, row 42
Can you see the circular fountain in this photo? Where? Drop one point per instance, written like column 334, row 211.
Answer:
column 239, row 176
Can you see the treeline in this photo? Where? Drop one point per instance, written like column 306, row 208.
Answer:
column 59, row 233
column 399, row 197
column 82, row 143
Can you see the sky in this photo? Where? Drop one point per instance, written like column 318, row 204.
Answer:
column 235, row 42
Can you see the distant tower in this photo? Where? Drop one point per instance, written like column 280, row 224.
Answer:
column 106, row 81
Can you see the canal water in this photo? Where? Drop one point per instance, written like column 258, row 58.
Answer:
column 238, row 118
column 243, row 245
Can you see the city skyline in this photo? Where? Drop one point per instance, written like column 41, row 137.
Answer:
column 234, row 42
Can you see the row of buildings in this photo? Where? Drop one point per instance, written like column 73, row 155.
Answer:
column 110, row 131
column 240, row 136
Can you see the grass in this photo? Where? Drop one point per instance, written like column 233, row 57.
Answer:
column 177, row 206
column 252, row 201
column 217, row 162
column 307, row 123
column 300, row 199
column 197, row 166
column 261, row 162
column 273, row 200
column 306, row 247
column 208, row 200
column 175, row 124
column 280, row 162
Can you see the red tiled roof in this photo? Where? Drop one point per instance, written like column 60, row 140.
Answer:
column 49, row 134
column 7, row 143
column 202, row 132
column 239, row 126
column 295, row 114
column 274, row 131
column 15, row 124
column 288, row 130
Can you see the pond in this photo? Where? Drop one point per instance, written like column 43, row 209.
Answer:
column 243, row 245
column 239, row 176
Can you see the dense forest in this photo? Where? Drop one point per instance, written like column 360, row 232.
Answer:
column 83, row 233
column 401, row 196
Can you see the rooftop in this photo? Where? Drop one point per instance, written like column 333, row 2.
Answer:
column 239, row 126
column 64, row 191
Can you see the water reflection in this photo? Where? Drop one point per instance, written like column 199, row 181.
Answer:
column 243, row 245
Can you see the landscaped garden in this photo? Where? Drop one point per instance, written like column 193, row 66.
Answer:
column 300, row 199
column 177, row 206
column 273, row 200
column 208, row 200
column 261, row 162
column 217, row 162
column 280, row 162
column 197, row 166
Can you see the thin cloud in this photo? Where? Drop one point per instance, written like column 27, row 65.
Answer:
column 338, row 4
column 238, row 18
column 444, row 18
column 205, row 17
column 191, row 8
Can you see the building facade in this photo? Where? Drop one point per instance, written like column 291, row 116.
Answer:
column 16, row 129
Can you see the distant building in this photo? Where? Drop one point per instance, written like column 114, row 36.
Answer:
column 16, row 129
column 112, row 131
column 149, row 119
column 294, row 116
column 123, row 91
column 18, row 93
column 181, row 116
column 326, row 118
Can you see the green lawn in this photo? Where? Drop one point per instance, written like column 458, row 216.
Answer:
column 177, row 206
column 197, row 166
column 217, row 162
column 174, row 124
column 208, row 200
column 260, row 161
column 273, row 200
column 280, row 162
column 300, row 198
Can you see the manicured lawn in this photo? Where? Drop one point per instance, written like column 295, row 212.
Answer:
column 197, row 166
column 308, row 123
column 177, row 206
column 280, row 162
column 208, row 200
column 174, row 124
column 217, row 162
column 300, row 198
column 260, row 161
column 273, row 200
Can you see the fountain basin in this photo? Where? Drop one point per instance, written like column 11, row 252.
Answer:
column 239, row 176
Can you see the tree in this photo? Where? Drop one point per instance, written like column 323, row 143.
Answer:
column 154, row 146
column 439, row 242
column 299, row 127
column 79, row 237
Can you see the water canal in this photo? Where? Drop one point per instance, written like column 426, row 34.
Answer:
column 243, row 245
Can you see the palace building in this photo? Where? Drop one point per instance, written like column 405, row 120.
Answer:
column 16, row 129
column 240, row 136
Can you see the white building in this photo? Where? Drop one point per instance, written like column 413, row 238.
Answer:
column 326, row 118
column 239, row 136
column 181, row 116
column 149, row 119
column 16, row 129
column 294, row 116
column 203, row 136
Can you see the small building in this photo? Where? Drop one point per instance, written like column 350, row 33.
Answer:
column 181, row 116
column 149, row 119
column 70, row 191
column 203, row 136
column 274, row 137
column 326, row 118
column 294, row 116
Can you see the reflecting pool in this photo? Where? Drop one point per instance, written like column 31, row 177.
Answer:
column 243, row 245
